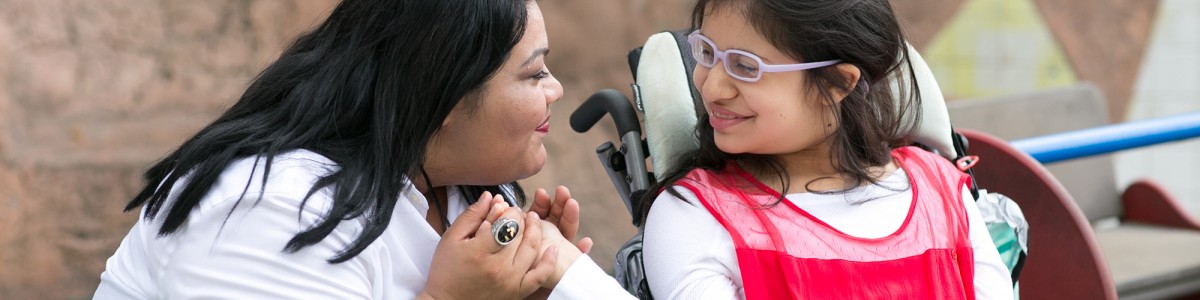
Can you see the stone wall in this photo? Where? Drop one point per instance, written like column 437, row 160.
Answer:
column 93, row 92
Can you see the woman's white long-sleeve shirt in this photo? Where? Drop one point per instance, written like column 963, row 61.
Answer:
column 689, row 255
column 224, row 254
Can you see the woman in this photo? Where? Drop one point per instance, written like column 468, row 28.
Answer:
column 348, row 168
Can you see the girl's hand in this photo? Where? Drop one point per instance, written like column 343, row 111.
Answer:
column 556, row 245
column 552, row 239
column 563, row 212
column 470, row 264
column 567, row 254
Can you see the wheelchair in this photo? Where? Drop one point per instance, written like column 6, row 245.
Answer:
column 669, row 105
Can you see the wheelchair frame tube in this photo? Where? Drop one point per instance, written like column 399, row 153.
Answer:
column 1106, row 139
column 605, row 153
column 608, row 101
column 635, row 161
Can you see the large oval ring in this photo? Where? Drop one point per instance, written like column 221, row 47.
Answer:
column 505, row 230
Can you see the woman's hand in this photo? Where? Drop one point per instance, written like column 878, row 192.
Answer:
column 561, row 211
column 470, row 264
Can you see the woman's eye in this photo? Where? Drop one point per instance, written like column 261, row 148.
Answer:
column 543, row 74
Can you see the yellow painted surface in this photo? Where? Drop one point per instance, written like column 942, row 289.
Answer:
column 997, row 47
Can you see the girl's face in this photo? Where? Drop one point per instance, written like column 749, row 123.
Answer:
column 778, row 114
column 498, row 138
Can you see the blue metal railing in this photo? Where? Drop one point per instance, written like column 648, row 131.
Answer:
column 1106, row 139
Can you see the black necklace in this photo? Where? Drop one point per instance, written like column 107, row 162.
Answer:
column 437, row 203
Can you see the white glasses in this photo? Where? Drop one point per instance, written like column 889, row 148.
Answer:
column 741, row 65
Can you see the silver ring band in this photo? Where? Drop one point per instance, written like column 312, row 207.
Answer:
column 505, row 230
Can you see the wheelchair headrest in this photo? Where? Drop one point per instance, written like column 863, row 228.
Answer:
column 934, row 130
column 667, row 98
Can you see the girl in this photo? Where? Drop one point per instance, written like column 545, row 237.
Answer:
column 802, row 186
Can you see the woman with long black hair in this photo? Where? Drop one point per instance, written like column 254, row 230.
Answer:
column 373, row 159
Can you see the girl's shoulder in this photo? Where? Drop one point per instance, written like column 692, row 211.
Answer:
column 909, row 156
column 729, row 170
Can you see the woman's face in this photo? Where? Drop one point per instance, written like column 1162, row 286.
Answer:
column 495, row 136
column 777, row 114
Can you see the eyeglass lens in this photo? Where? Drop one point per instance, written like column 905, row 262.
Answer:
column 737, row 63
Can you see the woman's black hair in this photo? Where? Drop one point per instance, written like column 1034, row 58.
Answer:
column 366, row 89
column 872, row 121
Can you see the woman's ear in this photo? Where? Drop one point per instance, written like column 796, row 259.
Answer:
column 460, row 110
column 450, row 117
column 850, row 75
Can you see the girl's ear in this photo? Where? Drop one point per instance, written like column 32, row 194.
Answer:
column 850, row 75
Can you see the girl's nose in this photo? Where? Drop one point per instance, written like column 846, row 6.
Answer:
column 715, row 83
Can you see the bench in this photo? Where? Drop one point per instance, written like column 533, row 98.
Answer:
column 1089, row 239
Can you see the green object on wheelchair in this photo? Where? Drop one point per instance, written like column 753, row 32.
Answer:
column 1005, row 238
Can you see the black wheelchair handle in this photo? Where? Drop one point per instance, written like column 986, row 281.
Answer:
column 608, row 101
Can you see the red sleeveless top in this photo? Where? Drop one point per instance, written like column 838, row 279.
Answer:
column 786, row 253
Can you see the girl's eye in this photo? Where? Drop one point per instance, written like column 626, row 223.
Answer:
column 543, row 74
column 747, row 69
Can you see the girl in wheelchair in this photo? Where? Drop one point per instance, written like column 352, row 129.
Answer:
column 803, row 186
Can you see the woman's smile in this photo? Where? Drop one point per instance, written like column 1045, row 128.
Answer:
column 545, row 126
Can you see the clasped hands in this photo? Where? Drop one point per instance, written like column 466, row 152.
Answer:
column 470, row 264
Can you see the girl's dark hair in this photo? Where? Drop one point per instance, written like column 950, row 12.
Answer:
column 366, row 89
column 872, row 121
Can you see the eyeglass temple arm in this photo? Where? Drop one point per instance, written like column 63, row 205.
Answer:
column 797, row 67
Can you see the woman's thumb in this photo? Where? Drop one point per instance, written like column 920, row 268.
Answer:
column 469, row 220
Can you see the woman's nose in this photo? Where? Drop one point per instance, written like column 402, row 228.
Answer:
column 554, row 90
